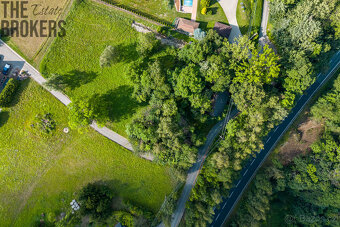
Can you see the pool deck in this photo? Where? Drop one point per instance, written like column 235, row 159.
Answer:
column 194, row 10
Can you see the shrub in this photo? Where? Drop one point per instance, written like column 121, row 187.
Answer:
column 96, row 200
column 199, row 34
column 163, row 30
column 146, row 43
column 107, row 57
column 125, row 218
column 204, row 11
column 8, row 92
column 205, row 3
column 44, row 123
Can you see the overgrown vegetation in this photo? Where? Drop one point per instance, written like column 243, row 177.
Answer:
column 304, row 32
column 311, row 180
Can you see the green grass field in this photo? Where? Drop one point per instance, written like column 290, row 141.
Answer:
column 40, row 174
column 157, row 8
column 243, row 16
column 90, row 28
column 216, row 15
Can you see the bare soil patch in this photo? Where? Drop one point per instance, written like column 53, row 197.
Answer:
column 300, row 140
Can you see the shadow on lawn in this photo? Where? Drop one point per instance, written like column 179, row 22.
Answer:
column 119, row 102
column 77, row 78
column 117, row 187
column 127, row 53
column 4, row 116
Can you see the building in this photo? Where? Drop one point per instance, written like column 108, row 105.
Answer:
column 187, row 26
column 222, row 29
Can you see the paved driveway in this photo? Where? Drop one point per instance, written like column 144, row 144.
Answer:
column 229, row 7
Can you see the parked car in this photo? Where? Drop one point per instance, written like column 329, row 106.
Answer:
column 6, row 69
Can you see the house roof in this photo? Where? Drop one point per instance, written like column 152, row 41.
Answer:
column 187, row 25
column 222, row 29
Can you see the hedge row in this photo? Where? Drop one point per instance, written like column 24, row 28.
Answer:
column 150, row 17
column 8, row 92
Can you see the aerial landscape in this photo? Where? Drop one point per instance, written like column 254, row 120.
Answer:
column 169, row 113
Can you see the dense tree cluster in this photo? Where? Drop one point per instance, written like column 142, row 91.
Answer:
column 312, row 181
column 303, row 34
column 179, row 86
column 251, row 74
column 304, row 31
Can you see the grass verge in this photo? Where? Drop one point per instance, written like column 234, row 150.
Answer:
column 249, row 17
column 90, row 28
column 214, row 14
column 40, row 174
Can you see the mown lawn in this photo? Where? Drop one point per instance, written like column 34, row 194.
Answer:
column 90, row 28
column 40, row 174
column 214, row 14
column 243, row 15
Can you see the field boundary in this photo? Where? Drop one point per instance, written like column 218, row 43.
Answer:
column 39, row 55
column 134, row 12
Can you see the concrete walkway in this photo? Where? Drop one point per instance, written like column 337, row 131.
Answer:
column 17, row 61
column 263, row 38
column 229, row 7
column 194, row 10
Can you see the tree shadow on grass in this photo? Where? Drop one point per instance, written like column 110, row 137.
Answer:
column 126, row 53
column 4, row 116
column 119, row 102
column 213, row 10
column 119, row 186
column 76, row 78
column 203, row 24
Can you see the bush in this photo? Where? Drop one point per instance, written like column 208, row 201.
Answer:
column 96, row 200
column 199, row 34
column 204, row 11
column 205, row 3
column 146, row 43
column 125, row 218
column 163, row 30
column 44, row 123
column 8, row 92
column 107, row 57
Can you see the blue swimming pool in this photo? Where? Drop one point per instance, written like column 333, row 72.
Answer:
column 187, row 2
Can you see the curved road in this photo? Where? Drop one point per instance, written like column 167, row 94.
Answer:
column 273, row 138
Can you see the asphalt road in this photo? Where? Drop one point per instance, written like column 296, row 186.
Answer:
column 194, row 171
column 249, row 171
